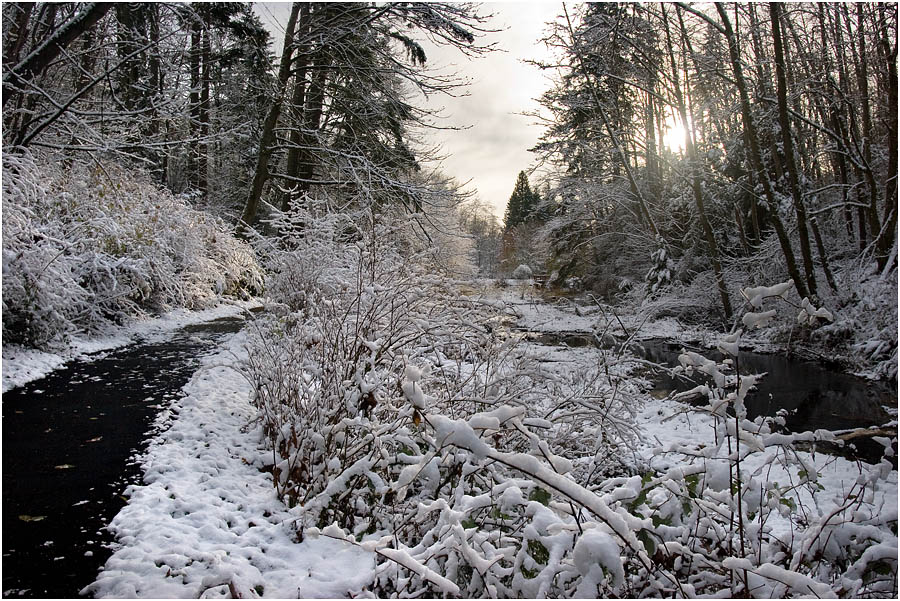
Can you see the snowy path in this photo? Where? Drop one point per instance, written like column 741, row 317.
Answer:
column 207, row 519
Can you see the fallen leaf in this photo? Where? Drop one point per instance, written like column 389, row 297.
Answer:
column 97, row 439
column 32, row 518
column 64, row 466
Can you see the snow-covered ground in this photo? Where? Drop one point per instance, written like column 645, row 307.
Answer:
column 207, row 522
column 535, row 314
column 22, row 365
column 667, row 425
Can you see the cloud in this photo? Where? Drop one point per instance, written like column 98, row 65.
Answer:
column 494, row 146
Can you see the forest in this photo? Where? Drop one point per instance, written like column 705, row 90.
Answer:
column 721, row 175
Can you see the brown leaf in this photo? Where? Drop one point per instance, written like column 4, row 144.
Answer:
column 32, row 518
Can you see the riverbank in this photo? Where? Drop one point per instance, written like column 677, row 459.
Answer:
column 22, row 365
column 852, row 343
column 70, row 440
column 207, row 522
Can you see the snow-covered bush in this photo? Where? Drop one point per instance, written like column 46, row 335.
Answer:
column 85, row 245
column 660, row 274
column 403, row 419
column 746, row 514
column 522, row 272
column 366, row 354
column 865, row 327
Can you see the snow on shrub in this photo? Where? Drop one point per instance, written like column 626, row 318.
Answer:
column 403, row 420
column 86, row 245
column 366, row 356
column 660, row 274
column 522, row 272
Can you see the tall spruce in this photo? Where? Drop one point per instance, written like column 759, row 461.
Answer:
column 523, row 205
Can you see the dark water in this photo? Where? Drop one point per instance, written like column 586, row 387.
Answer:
column 69, row 443
column 816, row 396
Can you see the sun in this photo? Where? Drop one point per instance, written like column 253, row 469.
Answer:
column 673, row 138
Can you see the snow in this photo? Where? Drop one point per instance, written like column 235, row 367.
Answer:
column 407, row 561
column 22, row 365
column 666, row 426
column 522, row 272
column 809, row 314
column 757, row 320
column 208, row 518
column 756, row 294
column 208, row 522
column 596, row 551
column 542, row 317
column 798, row 582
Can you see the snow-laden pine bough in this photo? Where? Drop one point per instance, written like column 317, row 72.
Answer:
column 403, row 421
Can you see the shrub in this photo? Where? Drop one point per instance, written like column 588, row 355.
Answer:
column 403, row 419
column 84, row 247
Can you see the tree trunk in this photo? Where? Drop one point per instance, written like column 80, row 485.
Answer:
column 831, row 116
column 298, row 100
column 194, row 100
column 823, row 256
column 203, row 116
column 129, row 73
column 312, row 117
column 267, row 136
column 889, row 56
column 787, row 143
column 156, row 87
column 755, row 154
column 18, row 32
column 862, row 78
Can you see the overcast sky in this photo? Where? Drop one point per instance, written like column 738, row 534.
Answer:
column 494, row 148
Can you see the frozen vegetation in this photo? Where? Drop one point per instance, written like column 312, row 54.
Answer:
column 84, row 248
column 393, row 423
column 385, row 426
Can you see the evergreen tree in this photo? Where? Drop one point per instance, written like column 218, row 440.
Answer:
column 523, row 205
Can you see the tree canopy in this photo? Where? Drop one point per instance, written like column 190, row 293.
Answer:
column 524, row 203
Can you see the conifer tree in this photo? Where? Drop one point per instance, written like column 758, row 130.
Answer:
column 523, row 203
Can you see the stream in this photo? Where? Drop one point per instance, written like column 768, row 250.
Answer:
column 70, row 443
column 815, row 396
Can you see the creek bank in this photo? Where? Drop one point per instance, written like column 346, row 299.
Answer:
column 70, row 441
column 814, row 396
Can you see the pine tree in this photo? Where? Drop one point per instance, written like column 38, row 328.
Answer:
column 523, row 203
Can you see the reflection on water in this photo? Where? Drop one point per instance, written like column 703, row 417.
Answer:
column 815, row 396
